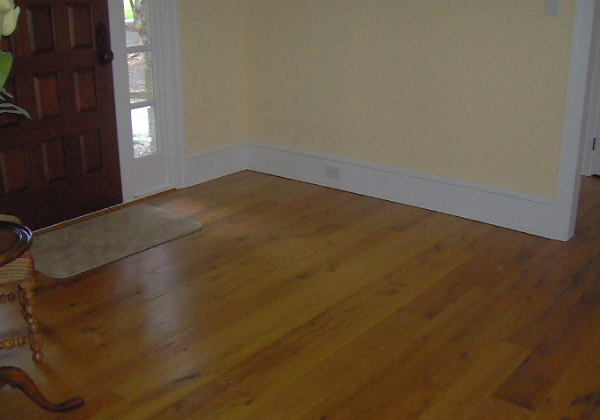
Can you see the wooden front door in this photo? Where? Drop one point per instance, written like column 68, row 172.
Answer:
column 64, row 162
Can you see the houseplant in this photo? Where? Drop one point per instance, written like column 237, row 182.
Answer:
column 9, row 15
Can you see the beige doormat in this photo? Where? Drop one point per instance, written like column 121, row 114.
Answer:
column 89, row 244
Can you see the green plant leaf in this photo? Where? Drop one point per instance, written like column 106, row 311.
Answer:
column 6, row 61
column 8, row 108
column 3, row 93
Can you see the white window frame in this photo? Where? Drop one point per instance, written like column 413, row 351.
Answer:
column 166, row 63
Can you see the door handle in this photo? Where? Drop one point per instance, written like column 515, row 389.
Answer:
column 105, row 55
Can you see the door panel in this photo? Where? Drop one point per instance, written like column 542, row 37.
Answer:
column 64, row 162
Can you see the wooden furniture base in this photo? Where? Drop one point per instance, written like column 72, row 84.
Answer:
column 17, row 378
column 17, row 272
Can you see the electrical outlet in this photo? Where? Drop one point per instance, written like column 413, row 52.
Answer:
column 332, row 172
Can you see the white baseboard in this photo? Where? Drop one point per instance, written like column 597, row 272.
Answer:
column 526, row 213
column 215, row 163
column 522, row 212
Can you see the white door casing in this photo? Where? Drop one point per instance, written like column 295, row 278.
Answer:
column 148, row 175
column 594, row 136
column 591, row 126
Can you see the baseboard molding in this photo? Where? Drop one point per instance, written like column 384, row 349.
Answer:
column 522, row 212
column 215, row 163
column 526, row 213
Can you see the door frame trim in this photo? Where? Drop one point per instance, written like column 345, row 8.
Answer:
column 592, row 112
column 171, row 88
column 168, row 64
column 571, row 157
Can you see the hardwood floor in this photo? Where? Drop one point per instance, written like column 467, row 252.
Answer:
column 301, row 302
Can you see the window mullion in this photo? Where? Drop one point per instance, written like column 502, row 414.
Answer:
column 141, row 48
column 143, row 104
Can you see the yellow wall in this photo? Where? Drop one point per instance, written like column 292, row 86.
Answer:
column 213, row 72
column 469, row 89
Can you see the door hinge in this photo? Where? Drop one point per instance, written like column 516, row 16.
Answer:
column 594, row 145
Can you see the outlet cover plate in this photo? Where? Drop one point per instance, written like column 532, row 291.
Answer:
column 332, row 172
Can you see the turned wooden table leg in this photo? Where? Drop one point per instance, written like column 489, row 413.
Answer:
column 17, row 378
column 28, row 311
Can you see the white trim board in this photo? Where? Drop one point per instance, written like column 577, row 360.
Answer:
column 525, row 213
column 215, row 163
column 522, row 212
column 592, row 108
column 571, row 156
column 167, row 67
column 170, row 86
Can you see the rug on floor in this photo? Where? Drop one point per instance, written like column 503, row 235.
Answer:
column 82, row 246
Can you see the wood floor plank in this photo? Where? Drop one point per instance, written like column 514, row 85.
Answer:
column 381, row 380
column 500, row 410
column 563, row 329
column 327, row 332
column 420, row 375
column 495, row 257
column 577, row 394
column 349, row 274
column 297, row 301
column 485, row 375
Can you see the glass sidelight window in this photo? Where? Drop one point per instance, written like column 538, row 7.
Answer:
column 141, row 78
